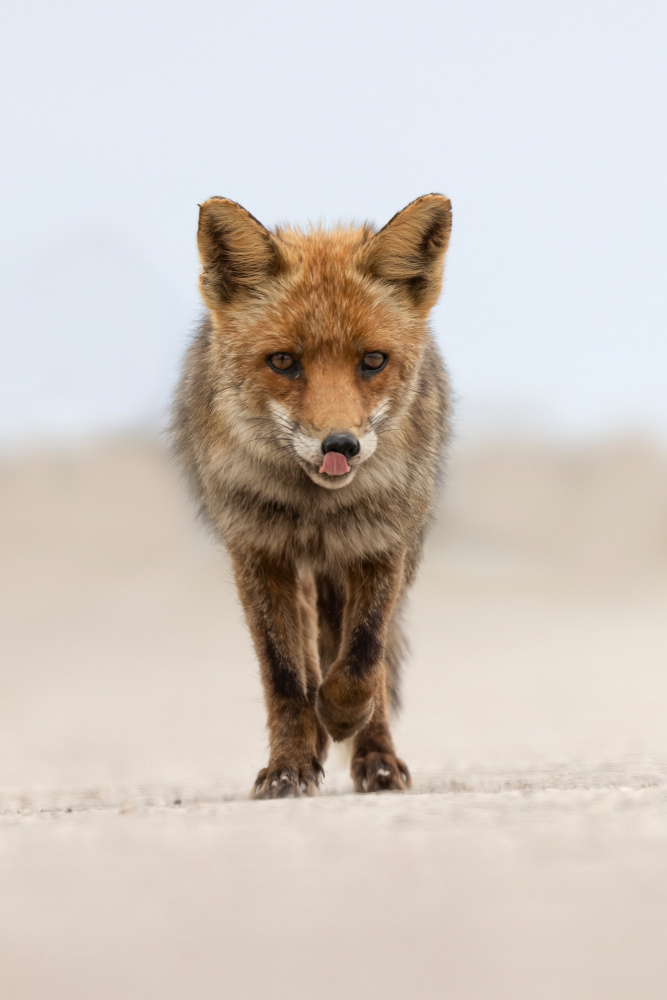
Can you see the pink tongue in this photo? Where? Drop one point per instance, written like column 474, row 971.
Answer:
column 335, row 464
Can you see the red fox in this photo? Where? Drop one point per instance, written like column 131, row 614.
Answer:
column 311, row 419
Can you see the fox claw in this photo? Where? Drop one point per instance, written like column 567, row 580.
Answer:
column 288, row 782
column 376, row 772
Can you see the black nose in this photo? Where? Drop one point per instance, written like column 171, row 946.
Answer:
column 343, row 442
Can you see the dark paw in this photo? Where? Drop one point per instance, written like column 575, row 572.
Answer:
column 288, row 782
column 342, row 716
column 380, row 772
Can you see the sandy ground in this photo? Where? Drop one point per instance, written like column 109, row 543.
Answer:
column 530, row 860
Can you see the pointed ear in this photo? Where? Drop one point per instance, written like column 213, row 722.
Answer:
column 409, row 251
column 237, row 253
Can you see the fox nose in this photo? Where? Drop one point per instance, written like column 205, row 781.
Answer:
column 342, row 442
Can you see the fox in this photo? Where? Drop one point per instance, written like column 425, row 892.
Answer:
column 311, row 420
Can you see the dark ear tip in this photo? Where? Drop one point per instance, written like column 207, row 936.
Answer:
column 222, row 208
column 214, row 208
column 436, row 196
column 204, row 207
column 433, row 198
column 217, row 199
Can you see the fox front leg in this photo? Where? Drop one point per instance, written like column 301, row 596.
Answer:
column 354, row 689
column 272, row 601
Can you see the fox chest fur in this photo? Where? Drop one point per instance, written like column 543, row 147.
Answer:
column 310, row 418
column 256, row 499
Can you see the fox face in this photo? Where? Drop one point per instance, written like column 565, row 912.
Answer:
column 319, row 335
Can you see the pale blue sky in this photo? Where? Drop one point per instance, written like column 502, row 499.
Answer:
column 544, row 122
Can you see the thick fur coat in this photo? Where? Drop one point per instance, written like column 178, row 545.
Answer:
column 311, row 419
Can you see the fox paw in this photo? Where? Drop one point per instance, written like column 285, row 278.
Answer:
column 380, row 772
column 342, row 714
column 288, row 782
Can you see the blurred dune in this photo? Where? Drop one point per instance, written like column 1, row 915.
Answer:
column 594, row 509
column 587, row 512
column 132, row 726
column 126, row 658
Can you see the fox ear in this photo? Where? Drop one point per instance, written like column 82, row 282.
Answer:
column 237, row 253
column 409, row 251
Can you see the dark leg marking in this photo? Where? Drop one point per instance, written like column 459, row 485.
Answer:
column 365, row 646
column 284, row 679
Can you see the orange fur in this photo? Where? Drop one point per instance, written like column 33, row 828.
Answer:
column 322, row 561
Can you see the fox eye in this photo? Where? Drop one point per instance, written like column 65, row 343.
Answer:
column 283, row 363
column 373, row 362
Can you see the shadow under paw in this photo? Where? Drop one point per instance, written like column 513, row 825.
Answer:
column 288, row 782
column 380, row 772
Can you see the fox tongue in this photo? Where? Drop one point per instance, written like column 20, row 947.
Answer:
column 334, row 464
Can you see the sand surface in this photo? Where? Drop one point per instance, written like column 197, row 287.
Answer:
column 528, row 863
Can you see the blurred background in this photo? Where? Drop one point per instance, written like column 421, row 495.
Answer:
column 543, row 122
column 536, row 692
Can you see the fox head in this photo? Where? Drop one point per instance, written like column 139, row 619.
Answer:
column 318, row 336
